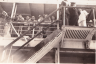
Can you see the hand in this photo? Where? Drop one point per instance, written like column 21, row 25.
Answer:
column 4, row 13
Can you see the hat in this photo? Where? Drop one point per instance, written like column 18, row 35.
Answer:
column 65, row 3
column 65, row 0
column 73, row 3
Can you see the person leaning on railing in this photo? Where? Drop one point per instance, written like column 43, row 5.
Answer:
column 4, row 15
column 33, row 23
column 20, row 19
column 40, row 18
column 26, row 24
column 53, row 19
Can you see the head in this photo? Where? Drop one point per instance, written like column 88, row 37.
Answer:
column 20, row 15
column 33, row 17
column 46, row 15
column 17, row 16
column 27, row 17
column 39, row 16
column 65, row 3
column 73, row 4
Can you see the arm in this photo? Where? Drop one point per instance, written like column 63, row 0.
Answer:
column 2, row 11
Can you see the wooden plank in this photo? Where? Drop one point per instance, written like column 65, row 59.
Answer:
column 77, row 60
column 69, row 52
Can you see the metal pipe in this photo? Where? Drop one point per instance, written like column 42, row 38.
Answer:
column 94, row 18
column 13, row 9
column 58, row 52
column 77, row 52
column 79, row 7
column 57, row 14
column 64, row 16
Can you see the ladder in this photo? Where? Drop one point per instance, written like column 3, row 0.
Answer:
column 44, row 50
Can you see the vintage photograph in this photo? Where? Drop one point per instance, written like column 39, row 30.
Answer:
column 48, row 31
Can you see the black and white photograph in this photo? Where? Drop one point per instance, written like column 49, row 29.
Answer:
column 48, row 31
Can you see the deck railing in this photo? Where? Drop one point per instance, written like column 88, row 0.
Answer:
column 21, row 27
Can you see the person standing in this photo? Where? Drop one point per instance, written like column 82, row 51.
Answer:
column 74, row 15
column 40, row 18
column 67, row 14
column 82, row 18
column 6, row 22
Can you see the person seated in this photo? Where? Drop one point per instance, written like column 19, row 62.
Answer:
column 33, row 20
column 16, row 17
column 20, row 18
column 27, row 20
column 53, row 18
column 26, row 24
column 47, row 20
column 40, row 18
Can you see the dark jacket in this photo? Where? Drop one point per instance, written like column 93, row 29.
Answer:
column 74, row 16
column 90, row 16
column 67, row 14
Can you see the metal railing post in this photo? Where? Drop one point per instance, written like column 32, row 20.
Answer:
column 64, row 16
column 94, row 18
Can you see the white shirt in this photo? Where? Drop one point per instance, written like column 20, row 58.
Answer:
column 82, row 18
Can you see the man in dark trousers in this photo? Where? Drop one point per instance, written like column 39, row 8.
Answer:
column 67, row 14
column 74, row 15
